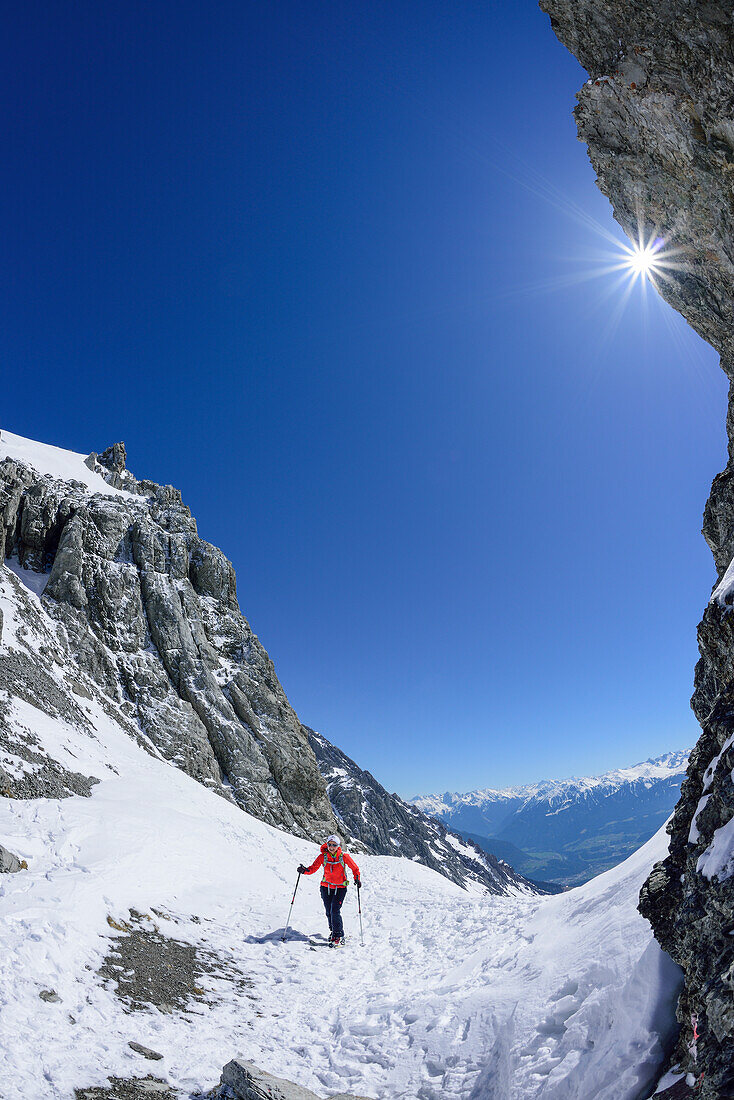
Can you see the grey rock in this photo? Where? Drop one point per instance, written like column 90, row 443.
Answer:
column 5, row 784
column 658, row 117
column 151, row 1055
column 247, row 1082
column 242, row 1080
column 385, row 825
column 9, row 863
column 50, row 996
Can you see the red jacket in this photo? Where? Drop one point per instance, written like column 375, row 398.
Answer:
column 334, row 870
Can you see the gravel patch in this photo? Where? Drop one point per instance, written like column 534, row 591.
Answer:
column 149, row 969
column 132, row 1088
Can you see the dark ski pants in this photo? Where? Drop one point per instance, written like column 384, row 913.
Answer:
column 333, row 899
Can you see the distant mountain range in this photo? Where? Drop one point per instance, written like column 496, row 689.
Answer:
column 566, row 830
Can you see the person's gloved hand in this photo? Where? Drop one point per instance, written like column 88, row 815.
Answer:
column 358, row 882
column 301, row 868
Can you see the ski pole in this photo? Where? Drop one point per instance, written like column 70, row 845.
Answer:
column 359, row 906
column 288, row 924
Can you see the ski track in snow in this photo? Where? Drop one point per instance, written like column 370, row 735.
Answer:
column 454, row 995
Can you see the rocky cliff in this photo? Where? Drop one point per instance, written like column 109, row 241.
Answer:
column 657, row 115
column 149, row 611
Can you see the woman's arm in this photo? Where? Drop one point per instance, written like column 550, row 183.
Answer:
column 355, row 869
column 314, row 866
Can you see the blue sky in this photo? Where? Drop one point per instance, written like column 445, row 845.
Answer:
column 320, row 266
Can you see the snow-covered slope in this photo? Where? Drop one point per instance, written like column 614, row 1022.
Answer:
column 454, row 995
column 568, row 830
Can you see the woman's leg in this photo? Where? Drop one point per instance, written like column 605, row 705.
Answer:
column 337, row 927
column 326, row 898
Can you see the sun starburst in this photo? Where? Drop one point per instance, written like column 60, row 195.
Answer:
column 647, row 259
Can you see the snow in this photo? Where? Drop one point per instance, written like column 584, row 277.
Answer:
column 35, row 582
column 718, row 859
column 57, row 463
column 722, row 592
column 708, row 776
column 455, row 995
column 694, row 834
column 9, row 584
column 668, row 1081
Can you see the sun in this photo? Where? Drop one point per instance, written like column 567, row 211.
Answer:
column 645, row 260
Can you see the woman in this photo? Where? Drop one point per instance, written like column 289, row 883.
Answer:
column 333, row 884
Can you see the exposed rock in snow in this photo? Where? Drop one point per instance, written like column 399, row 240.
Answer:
column 242, row 1080
column 657, row 115
column 129, row 1088
column 145, row 1052
column 10, row 864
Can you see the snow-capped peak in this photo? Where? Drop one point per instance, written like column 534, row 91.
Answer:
column 55, row 462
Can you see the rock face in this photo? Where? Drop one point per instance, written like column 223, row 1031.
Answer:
column 658, row 117
column 149, row 610
column 387, row 826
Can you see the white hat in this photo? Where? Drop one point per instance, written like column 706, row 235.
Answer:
column 333, row 837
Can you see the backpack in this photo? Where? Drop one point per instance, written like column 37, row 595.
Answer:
column 332, row 862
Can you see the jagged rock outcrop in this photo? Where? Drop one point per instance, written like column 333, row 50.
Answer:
column 658, row 117
column 242, row 1080
column 387, row 826
column 149, row 610
column 10, row 864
